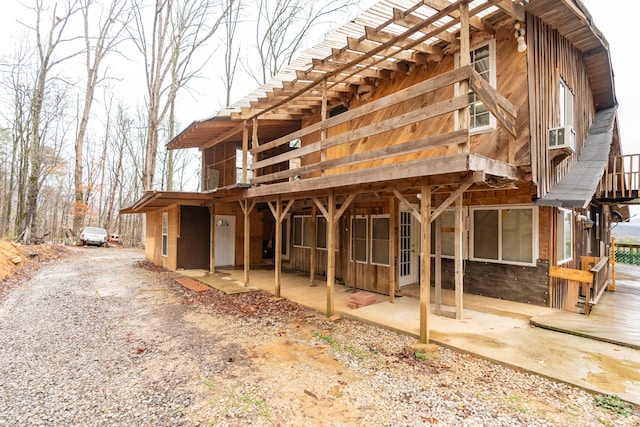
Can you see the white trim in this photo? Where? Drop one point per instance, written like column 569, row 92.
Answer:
column 164, row 247
column 302, row 235
column 564, row 213
column 500, row 208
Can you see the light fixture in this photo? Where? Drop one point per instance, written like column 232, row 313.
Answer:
column 588, row 224
column 522, row 46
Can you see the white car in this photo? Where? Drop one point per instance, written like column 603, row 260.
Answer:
column 93, row 236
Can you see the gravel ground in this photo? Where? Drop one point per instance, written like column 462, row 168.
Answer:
column 105, row 339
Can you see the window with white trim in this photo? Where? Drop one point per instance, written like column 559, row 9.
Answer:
column 165, row 233
column 380, row 239
column 504, row 234
column 565, row 236
column 359, row 239
column 566, row 105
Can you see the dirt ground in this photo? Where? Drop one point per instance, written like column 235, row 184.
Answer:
column 143, row 350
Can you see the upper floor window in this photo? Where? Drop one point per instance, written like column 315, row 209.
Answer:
column 483, row 61
column 566, row 105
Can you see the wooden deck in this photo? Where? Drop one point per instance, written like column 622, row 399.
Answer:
column 615, row 319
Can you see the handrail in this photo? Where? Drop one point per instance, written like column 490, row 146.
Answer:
column 498, row 105
column 621, row 177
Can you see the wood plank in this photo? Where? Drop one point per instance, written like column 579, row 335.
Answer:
column 425, row 260
column 570, row 274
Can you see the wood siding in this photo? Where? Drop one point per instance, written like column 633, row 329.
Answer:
column 551, row 58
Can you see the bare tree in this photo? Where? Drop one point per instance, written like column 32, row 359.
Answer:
column 283, row 26
column 111, row 23
column 47, row 40
column 231, row 49
column 179, row 29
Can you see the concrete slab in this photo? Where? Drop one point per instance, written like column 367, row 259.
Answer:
column 493, row 334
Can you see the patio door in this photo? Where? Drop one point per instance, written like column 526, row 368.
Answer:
column 407, row 249
column 225, row 240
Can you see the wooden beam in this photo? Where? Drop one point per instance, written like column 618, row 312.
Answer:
column 452, row 198
column 459, row 260
column 247, row 207
column 345, row 205
column 331, row 253
column 465, row 60
column 417, row 215
column 438, row 259
column 212, row 238
column 425, row 259
column 393, row 249
column 278, row 246
column 245, row 152
column 313, row 249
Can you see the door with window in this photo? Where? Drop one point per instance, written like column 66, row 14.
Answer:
column 407, row 249
column 225, row 240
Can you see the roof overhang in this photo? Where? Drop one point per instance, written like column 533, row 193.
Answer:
column 153, row 200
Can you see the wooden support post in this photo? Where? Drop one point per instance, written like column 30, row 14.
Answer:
column 458, row 245
column 612, row 265
column 247, row 208
column 438, row 259
column 425, row 259
column 314, row 244
column 331, row 252
column 323, row 118
column 212, row 239
column 278, row 246
column 393, row 248
column 245, row 151
column 465, row 59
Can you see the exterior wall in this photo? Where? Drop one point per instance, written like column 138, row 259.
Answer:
column 255, row 231
column 153, row 245
column 552, row 57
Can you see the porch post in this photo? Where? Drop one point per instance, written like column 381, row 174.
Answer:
column 393, row 248
column 331, row 253
column 278, row 245
column 212, row 238
column 247, row 208
column 438, row 260
column 465, row 59
column 425, row 259
column 314, row 243
column 458, row 270
column 245, row 151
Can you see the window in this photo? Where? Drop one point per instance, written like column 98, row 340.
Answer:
column 447, row 237
column 566, row 105
column 483, row 60
column 359, row 239
column 165, row 233
column 380, row 239
column 504, row 234
column 302, row 229
column 565, row 240
column 321, row 232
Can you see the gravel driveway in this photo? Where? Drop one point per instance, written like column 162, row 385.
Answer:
column 103, row 338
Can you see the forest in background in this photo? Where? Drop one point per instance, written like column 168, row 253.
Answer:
column 92, row 90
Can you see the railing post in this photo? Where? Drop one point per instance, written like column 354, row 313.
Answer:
column 612, row 264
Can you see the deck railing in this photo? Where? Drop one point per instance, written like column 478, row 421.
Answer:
column 627, row 253
column 571, row 288
column 621, row 178
column 318, row 155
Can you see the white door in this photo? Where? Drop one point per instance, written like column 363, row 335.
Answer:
column 407, row 249
column 225, row 240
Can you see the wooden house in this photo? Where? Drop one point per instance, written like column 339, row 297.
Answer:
column 470, row 145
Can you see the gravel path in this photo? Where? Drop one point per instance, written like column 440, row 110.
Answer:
column 104, row 339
